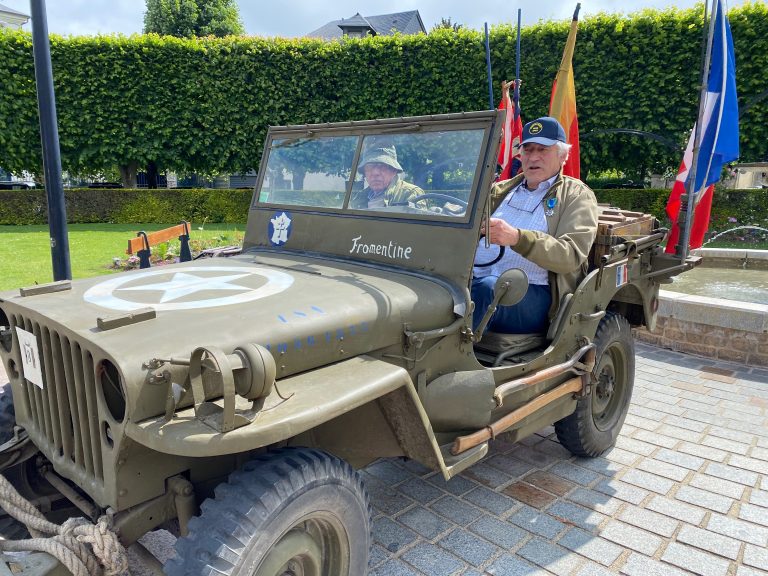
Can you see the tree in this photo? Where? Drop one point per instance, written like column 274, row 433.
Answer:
column 188, row 18
column 445, row 23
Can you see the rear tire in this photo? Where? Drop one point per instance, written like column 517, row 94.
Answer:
column 292, row 511
column 594, row 426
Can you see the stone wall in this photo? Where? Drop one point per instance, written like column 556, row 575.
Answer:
column 712, row 341
column 722, row 329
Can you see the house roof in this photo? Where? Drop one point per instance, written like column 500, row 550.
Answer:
column 6, row 10
column 383, row 24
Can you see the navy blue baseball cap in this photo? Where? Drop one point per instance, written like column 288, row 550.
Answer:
column 545, row 130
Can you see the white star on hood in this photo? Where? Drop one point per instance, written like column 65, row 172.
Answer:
column 183, row 284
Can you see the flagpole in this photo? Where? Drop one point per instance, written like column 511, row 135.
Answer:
column 516, row 93
column 488, row 67
column 681, row 250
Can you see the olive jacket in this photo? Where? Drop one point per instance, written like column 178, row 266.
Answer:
column 398, row 192
column 571, row 212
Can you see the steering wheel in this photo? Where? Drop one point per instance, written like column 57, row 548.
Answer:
column 502, row 249
column 436, row 196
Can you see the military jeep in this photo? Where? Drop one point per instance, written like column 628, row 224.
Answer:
column 232, row 398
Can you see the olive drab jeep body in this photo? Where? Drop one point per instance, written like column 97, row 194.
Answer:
column 341, row 333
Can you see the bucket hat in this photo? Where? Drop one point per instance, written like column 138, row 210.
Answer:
column 385, row 155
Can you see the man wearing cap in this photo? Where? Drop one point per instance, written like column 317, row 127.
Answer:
column 547, row 222
column 386, row 186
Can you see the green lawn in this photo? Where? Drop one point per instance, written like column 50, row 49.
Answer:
column 25, row 252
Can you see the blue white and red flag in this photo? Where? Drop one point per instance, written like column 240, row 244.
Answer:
column 719, row 135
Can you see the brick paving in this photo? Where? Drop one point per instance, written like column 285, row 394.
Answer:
column 685, row 490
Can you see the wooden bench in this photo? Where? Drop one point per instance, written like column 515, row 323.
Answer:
column 143, row 242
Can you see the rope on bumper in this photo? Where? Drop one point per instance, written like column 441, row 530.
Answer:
column 85, row 549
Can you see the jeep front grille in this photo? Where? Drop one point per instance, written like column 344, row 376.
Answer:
column 64, row 413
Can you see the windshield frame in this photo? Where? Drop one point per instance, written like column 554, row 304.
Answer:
column 471, row 121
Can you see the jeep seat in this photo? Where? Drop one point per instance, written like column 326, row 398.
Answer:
column 506, row 345
column 497, row 343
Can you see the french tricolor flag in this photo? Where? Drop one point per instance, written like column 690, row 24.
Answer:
column 719, row 135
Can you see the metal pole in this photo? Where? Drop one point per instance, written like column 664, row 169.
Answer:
column 49, row 136
column 681, row 250
column 517, row 67
column 488, row 66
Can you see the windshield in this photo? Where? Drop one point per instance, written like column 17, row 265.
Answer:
column 427, row 174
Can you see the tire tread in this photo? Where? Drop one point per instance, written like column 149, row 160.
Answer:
column 217, row 537
column 574, row 432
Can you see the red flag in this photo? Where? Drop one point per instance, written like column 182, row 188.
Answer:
column 562, row 105
column 702, row 209
column 511, row 132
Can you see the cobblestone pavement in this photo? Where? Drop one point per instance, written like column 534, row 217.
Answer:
column 684, row 491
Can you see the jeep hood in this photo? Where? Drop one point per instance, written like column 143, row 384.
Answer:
column 307, row 312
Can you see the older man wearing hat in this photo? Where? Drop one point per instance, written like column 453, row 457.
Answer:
column 547, row 222
column 386, row 186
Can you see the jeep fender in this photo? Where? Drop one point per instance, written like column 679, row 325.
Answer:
column 318, row 399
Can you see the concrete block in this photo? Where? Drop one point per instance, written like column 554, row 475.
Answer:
column 537, row 522
column 420, row 490
column 697, row 562
column 587, row 519
column 757, row 557
column 499, row 532
column 684, row 460
column 470, row 548
column 456, row 510
column 676, row 509
column 648, row 481
column 709, row 541
column 432, row 559
column 703, row 451
column 622, row 491
column 394, row 567
column 718, row 486
column 752, row 464
column 665, row 469
column 575, row 473
column 595, row 500
column 553, row 558
column 424, row 522
column 508, row 564
column 550, row 482
column 648, row 520
column 391, row 535
column 705, row 499
column 731, row 473
column 491, row 501
column 639, row 565
column 590, row 546
column 752, row 513
column 631, row 537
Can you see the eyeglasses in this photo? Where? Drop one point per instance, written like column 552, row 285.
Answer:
column 524, row 201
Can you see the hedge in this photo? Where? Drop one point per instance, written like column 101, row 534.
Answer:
column 204, row 104
column 125, row 206
column 162, row 206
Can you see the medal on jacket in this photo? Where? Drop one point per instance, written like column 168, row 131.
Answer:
column 551, row 203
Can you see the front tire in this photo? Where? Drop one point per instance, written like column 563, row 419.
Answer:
column 293, row 511
column 594, row 426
